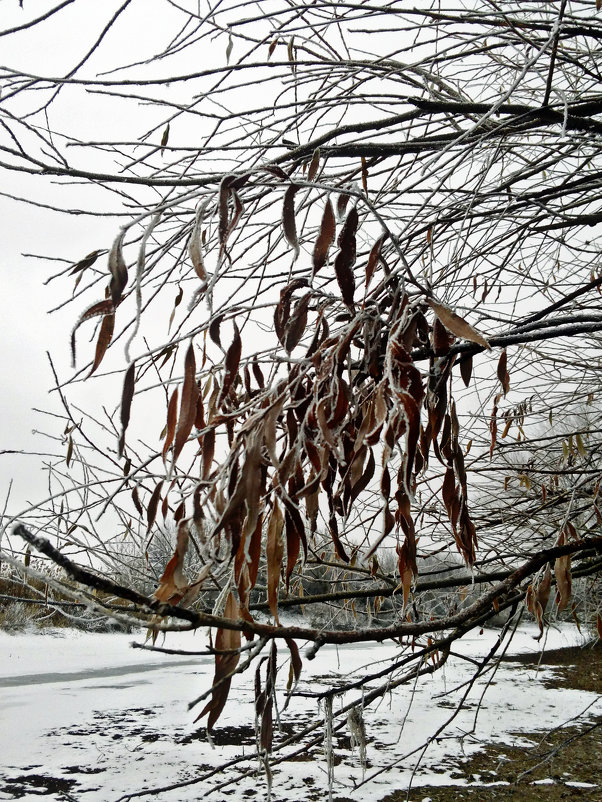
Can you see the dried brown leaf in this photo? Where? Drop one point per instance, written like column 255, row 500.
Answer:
column 289, row 224
column 457, row 325
column 274, row 556
column 126, row 403
column 345, row 258
column 172, row 417
column 118, row 270
column 105, row 336
column 231, row 364
column 325, row 238
column 188, row 403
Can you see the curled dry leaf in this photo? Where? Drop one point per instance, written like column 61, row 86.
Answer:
column 227, row 644
column 195, row 247
column 231, row 364
column 289, row 224
column 126, row 403
column 314, row 165
column 345, row 258
column 274, row 556
column 164, row 138
column 118, row 270
column 153, row 506
column 502, row 372
column 188, row 403
column 457, row 325
column 105, row 335
column 562, row 571
column 466, row 369
column 373, row 258
column 172, row 416
column 86, row 262
column 100, row 308
column 174, row 582
column 325, row 238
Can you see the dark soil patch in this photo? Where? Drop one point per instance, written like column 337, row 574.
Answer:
column 28, row 785
column 567, row 755
column 581, row 666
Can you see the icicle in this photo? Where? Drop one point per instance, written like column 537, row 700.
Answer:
column 328, row 744
column 357, row 729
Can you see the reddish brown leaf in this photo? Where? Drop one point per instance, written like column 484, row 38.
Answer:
column 314, row 165
column 364, row 175
column 274, row 555
column 296, row 324
column 224, row 195
column 105, row 336
column 126, row 403
column 442, row 340
column 373, row 258
column 342, row 202
column 345, row 259
column 86, row 262
column 296, row 663
column 502, row 372
column 288, row 218
column 153, row 505
column 226, row 640
column 188, row 402
column 562, row 571
column 136, row 500
column 214, row 330
column 99, row 308
column 231, row 364
column 172, row 416
column 466, row 369
column 457, row 325
column 208, row 449
column 325, row 238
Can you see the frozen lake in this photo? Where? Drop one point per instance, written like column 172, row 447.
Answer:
column 84, row 716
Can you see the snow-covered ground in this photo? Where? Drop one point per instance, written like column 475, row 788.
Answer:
column 83, row 716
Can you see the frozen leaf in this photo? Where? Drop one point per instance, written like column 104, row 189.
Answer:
column 345, row 258
column 227, row 644
column 274, row 556
column 105, row 336
column 314, row 165
column 118, row 270
column 373, row 258
column 126, row 404
column 296, row 324
column 364, row 175
column 100, row 308
column 164, row 139
column 153, row 506
column 502, row 372
column 195, row 246
column 466, row 369
column 325, row 238
column 231, row 364
column 188, row 403
column 457, row 325
column 177, row 302
column 86, row 262
column 289, row 224
column 562, row 571
column 172, row 416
